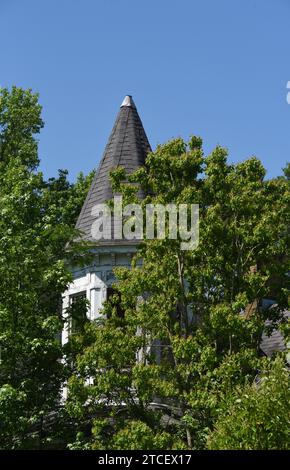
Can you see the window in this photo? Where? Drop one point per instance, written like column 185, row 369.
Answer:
column 77, row 311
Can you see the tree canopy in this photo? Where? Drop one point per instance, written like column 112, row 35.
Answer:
column 175, row 359
column 37, row 220
column 194, row 319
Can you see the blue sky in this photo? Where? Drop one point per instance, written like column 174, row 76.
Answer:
column 217, row 69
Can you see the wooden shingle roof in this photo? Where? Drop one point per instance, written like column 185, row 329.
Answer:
column 127, row 147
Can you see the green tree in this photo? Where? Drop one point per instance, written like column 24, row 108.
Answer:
column 286, row 171
column 66, row 198
column 36, row 222
column 183, row 310
column 257, row 416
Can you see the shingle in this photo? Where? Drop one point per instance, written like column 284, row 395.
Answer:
column 127, row 147
column 275, row 342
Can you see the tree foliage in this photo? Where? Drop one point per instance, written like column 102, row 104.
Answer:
column 173, row 361
column 36, row 222
column 194, row 319
column 257, row 416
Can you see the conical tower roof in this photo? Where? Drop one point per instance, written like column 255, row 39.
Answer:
column 127, row 147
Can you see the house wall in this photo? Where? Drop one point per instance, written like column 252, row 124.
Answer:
column 95, row 279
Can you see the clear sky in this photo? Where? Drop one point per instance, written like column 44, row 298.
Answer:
column 215, row 68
